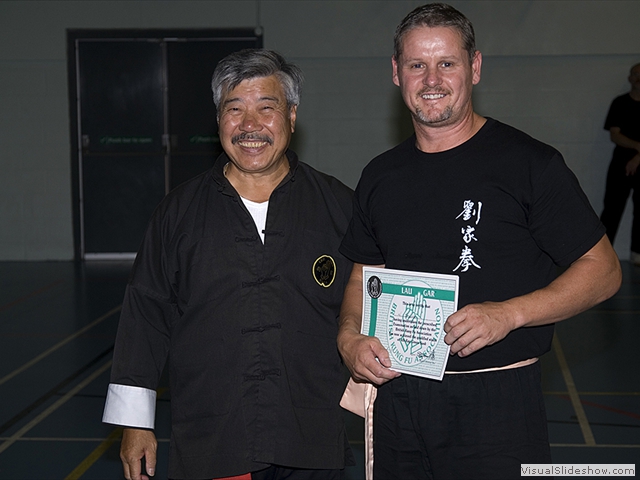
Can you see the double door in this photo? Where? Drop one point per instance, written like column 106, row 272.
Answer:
column 144, row 123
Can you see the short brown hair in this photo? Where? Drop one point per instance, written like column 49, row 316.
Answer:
column 436, row 15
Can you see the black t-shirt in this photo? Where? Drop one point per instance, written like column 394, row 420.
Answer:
column 502, row 211
column 624, row 113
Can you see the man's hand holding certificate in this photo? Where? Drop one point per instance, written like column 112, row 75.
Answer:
column 406, row 311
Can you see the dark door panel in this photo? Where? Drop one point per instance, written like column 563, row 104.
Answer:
column 192, row 116
column 121, row 192
column 121, row 96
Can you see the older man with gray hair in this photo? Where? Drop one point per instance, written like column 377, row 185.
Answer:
column 238, row 283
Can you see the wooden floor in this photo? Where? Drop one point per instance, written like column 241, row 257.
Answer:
column 57, row 326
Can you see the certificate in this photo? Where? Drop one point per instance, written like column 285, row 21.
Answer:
column 406, row 311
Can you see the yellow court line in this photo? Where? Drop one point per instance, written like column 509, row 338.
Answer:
column 599, row 445
column 69, row 439
column 58, row 345
column 352, row 442
column 573, row 393
column 596, row 394
column 53, row 407
column 100, row 450
column 95, row 455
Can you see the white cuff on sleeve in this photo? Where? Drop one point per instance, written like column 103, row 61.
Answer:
column 130, row 406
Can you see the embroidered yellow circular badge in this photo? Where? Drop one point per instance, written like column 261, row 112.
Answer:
column 324, row 271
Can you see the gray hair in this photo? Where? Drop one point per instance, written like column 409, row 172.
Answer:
column 252, row 63
column 436, row 15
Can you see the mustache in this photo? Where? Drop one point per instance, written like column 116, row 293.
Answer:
column 251, row 136
column 431, row 91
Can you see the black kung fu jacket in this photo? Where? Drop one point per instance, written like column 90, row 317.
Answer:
column 251, row 328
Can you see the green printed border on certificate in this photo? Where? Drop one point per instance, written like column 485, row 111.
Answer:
column 391, row 289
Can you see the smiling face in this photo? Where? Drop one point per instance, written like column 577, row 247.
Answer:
column 255, row 126
column 435, row 76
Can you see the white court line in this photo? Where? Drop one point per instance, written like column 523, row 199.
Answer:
column 58, row 345
column 52, row 408
column 573, row 393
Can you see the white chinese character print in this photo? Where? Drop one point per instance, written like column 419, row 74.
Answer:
column 467, row 234
column 466, row 260
column 469, row 213
column 467, row 210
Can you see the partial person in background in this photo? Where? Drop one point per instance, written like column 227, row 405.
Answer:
column 470, row 196
column 238, row 282
column 623, row 123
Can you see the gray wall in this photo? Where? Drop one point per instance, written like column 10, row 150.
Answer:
column 550, row 68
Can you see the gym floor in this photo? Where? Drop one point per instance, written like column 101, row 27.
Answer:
column 57, row 327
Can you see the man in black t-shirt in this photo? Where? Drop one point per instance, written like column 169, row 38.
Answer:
column 623, row 123
column 468, row 196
